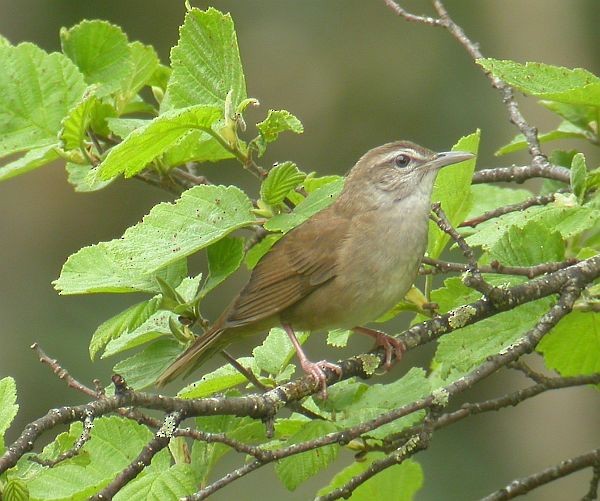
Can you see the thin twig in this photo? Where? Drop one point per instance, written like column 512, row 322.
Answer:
column 88, row 425
column 495, row 267
column 431, row 21
column 495, row 404
column 268, row 404
column 522, row 367
column 592, row 493
column 528, row 343
column 413, row 445
column 247, row 373
column 500, row 211
column 540, row 167
column 159, row 442
column 187, row 178
column 524, row 485
column 473, row 277
column 506, row 90
column 62, row 373
column 223, row 481
column 521, row 174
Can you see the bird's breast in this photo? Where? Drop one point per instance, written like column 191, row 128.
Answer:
column 377, row 264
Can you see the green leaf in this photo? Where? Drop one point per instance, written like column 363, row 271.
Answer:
column 15, row 490
column 275, row 353
column 381, row 398
column 593, row 179
column 312, row 182
column 206, row 62
column 157, row 325
column 83, row 178
column 314, row 202
column 146, row 143
column 224, row 378
column 464, row 349
column 195, row 146
column 101, row 51
column 580, row 115
column 338, row 337
column 294, row 470
column 74, row 125
column 89, row 112
column 31, row 160
column 224, row 257
column 36, row 91
column 145, row 63
column 170, row 232
column 453, row 190
column 129, row 319
column 141, row 370
column 281, row 179
column 188, row 288
column 164, row 485
column 122, row 127
column 567, row 220
column 555, row 83
column 565, row 130
column 532, row 244
column 342, row 395
column 4, row 41
column 487, row 197
column 8, row 406
column 573, row 346
column 277, row 121
column 115, row 442
column 399, row 482
column 578, row 176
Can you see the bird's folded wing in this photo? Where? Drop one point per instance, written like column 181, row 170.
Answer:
column 296, row 265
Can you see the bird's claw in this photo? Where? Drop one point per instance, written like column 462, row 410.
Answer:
column 316, row 370
column 391, row 345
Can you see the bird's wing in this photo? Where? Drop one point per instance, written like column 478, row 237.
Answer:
column 296, row 265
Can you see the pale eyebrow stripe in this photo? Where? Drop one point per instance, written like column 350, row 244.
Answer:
column 408, row 151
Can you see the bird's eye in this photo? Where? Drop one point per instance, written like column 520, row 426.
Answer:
column 402, row 160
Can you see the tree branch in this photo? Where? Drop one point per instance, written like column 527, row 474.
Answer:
column 521, row 174
column 500, row 211
column 524, row 485
column 540, row 167
column 268, row 404
column 62, row 373
column 439, row 397
column 495, row 267
column 473, row 279
column 413, row 445
column 159, row 442
column 495, row 404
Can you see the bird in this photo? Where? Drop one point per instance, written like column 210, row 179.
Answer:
column 343, row 267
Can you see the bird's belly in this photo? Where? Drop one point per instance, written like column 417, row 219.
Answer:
column 371, row 280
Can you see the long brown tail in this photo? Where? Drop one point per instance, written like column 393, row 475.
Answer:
column 203, row 348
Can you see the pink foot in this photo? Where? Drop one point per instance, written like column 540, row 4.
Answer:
column 315, row 369
column 390, row 344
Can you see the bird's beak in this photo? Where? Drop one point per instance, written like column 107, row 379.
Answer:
column 448, row 158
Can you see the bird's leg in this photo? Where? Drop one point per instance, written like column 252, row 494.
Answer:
column 390, row 344
column 315, row 369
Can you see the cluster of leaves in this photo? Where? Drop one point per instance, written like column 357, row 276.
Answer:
column 90, row 105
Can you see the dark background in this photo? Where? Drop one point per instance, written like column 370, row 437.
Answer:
column 357, row 76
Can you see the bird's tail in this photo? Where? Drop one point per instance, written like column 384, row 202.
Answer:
column 203, row 348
